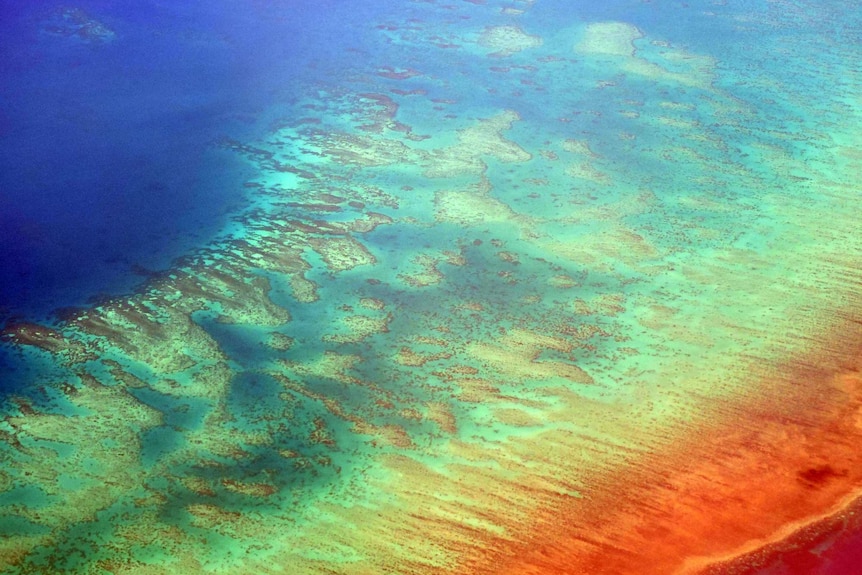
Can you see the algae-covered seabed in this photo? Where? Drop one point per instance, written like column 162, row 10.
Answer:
column 532, row 290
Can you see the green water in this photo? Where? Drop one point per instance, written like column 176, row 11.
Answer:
column 643, row 231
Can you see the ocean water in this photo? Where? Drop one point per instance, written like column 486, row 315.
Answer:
column 111, row 129
column 477, row 286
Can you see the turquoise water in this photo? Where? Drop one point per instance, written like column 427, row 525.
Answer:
column 301, row 245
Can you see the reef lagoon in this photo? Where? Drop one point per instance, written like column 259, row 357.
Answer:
column 431, row 287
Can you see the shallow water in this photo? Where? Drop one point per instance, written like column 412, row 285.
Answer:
column 480, row 287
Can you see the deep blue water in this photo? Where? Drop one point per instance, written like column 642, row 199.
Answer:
column 108, row 165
